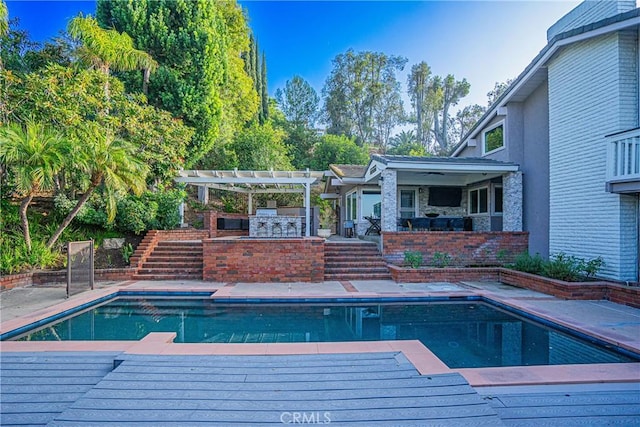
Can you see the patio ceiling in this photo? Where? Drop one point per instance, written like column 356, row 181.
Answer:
column 251, row 182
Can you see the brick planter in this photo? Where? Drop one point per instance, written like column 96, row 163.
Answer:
column 573, row 290
column 263, row 260
column 432, row 274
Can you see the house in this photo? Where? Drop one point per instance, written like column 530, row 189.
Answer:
column 557, row 155
column 571, row 123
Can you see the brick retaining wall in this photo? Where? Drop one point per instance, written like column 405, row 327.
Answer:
column 263, row 260
column 465, row 248
column 43, row 278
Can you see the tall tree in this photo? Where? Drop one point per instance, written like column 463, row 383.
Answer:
column 422, row 100
column 201, row 77
column 108, row 50
column 359, row 84
column 107, row 161
column 299, row 102
column 264, row 94
column 35, row 153
column 452, row 91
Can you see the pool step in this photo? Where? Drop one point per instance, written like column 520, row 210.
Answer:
column 354, row 261
column 173, row 260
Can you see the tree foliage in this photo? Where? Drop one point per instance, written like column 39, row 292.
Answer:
column 66, row 98
column 432, row 97
column 299, row 102
column 201, row 76
column 108, row 161
column 362, row 96
column 498, row 89
column 36, row 153
column 337, row 149
column 406, row 144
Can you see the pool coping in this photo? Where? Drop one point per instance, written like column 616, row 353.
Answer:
column 420, row 356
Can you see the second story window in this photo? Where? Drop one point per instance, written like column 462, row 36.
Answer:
column 493, row 139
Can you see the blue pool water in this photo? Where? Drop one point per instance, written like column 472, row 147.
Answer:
column 461, row 334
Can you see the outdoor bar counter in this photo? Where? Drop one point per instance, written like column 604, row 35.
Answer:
column 267, row 223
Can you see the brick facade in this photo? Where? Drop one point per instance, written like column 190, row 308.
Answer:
column 263, row 260
column 463, row 248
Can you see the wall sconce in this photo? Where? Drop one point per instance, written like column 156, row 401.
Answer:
column 420, row 190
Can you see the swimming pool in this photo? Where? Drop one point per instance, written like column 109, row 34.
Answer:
column 463, row 333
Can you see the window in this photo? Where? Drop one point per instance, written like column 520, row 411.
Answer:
column 493, row 139
column 352, row 206
column 497, row 199
column 407, row 203
column 370, row 203
column 478, row 200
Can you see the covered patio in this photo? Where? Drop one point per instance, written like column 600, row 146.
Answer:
column 435, row 193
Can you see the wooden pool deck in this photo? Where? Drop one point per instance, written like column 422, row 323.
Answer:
column 372, row 389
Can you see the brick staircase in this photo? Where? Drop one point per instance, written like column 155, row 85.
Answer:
column 354, row 261
column 172, row 260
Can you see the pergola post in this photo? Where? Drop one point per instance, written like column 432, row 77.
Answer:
column 250, row 204
column 307, row 209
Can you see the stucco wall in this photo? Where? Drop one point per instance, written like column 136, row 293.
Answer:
column 590, row 96
column 535, row 168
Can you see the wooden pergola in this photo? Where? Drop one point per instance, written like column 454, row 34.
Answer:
column 255, row 182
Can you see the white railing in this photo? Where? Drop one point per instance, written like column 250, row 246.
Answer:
column 623, row 159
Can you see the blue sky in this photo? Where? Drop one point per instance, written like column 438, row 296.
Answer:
column 482, row 41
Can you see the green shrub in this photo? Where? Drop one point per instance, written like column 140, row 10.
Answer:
column 593, row 266
column 529, row 264
column 133, row 215
column 127, row 251
column 564, row 267
column 15, row 257
column 413, row 258
column 168, row 211
column 441, row 259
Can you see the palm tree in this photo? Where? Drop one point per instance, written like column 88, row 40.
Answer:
column 37, row 153
column 108, row 50
column 107, row 161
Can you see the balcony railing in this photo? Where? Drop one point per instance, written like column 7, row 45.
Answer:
column 623, row 161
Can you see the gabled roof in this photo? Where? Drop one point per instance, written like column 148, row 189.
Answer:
column 348, row 171
column 536, row 71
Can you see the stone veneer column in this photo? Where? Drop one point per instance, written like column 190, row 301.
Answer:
column 512, row 201
column 389, row 200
